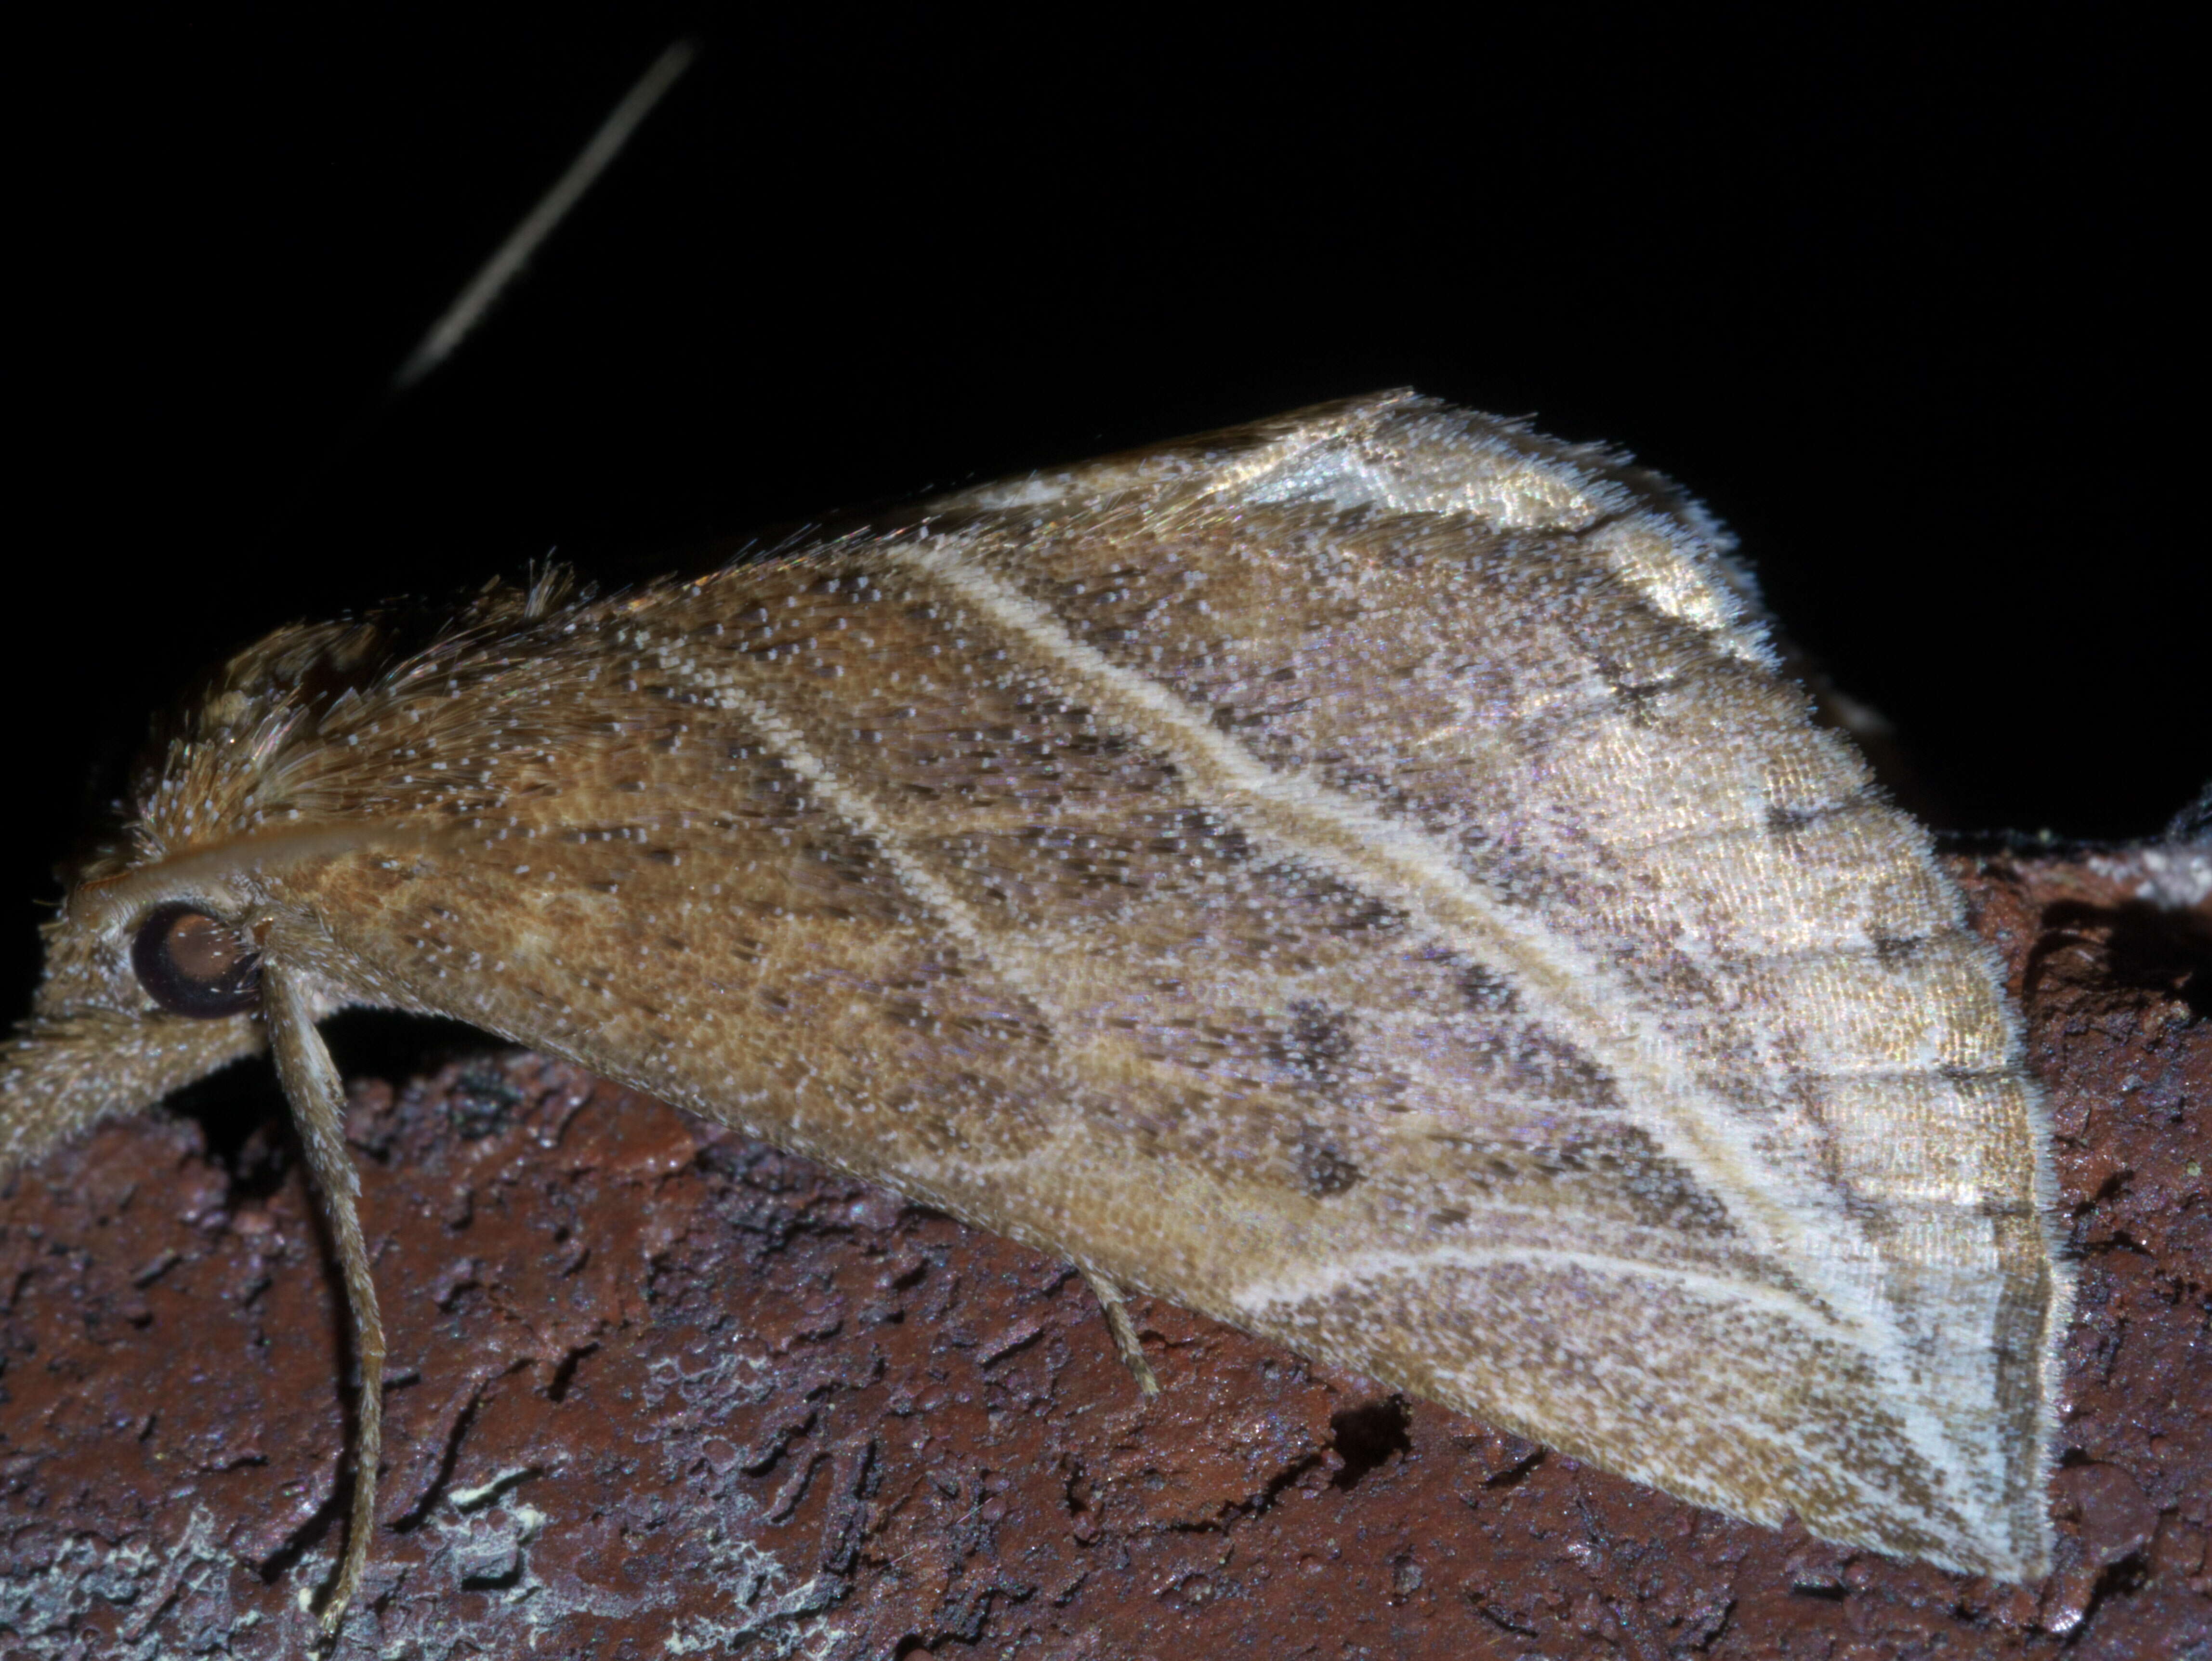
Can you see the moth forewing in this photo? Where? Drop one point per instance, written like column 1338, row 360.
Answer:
column 1362, row 876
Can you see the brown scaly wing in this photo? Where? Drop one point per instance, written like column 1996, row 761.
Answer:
column 1360, row 876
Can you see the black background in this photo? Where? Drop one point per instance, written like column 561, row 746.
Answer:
column 1903, row 301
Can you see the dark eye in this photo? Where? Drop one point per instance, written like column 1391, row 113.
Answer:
column 191, row 963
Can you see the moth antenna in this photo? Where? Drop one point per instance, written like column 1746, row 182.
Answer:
column 311, row 1084
column 1124, row 1330
column 509, row 259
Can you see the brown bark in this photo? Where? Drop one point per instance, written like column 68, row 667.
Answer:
column 657, row 1389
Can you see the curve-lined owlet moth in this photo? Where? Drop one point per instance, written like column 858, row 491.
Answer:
column 1361, row 875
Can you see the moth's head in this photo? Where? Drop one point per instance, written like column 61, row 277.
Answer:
column 146, row 989
column 151, row 977
column 151, row 965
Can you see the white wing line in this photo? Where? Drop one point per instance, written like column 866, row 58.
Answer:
column 1324, row 1278
column 1304, row 817
column 791, row 749
column 923, row 884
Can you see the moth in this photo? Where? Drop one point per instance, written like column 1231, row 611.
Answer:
column 1363, row 875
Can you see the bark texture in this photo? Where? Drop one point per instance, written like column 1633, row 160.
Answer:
column 658, row 1391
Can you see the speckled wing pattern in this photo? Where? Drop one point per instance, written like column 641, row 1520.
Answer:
column 1361, row 876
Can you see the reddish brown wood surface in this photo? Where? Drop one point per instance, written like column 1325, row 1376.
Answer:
column 659, row 1390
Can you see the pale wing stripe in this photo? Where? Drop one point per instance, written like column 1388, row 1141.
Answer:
column 1024, row 966
column 1324, row 1279
column 1414, row 872
column 1025, row 963
column 1029, row 972
column 1019, row 968
column 1305, row 819
column 791, row 749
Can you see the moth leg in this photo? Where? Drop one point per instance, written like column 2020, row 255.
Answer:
column 1124, row 1330
column 311, row 1083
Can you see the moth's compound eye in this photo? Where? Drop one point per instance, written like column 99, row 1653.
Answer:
column 191, row 963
